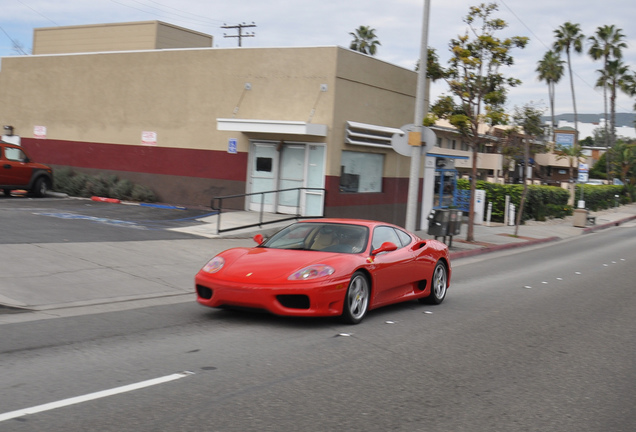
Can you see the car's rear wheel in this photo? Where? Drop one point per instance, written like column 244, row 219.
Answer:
column 439, row 284
column 7, row 192
column 41, row 187
column 357, row 299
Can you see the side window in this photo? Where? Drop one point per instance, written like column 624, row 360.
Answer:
column 404, row 237
column 14, row 154
column 384, row 234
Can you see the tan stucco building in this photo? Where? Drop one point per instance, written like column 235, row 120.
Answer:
column 195, row 123
column 156, row 104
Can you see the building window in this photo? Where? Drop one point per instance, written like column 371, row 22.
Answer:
column 454, row 144
column 361, row 172
column 264, row 164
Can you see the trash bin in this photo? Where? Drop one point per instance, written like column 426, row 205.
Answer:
column 438, row 222
column 580, row 217
column 455, row 222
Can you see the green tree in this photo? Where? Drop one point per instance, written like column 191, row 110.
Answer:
column 568, row 38
column 624, row 161
column 528, row 119
column 475, row 80
column 550, row 70
column 364, row 40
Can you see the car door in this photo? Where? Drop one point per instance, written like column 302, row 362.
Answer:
column 15, row 170
column 392, row 272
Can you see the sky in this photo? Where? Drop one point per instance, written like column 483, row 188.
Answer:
column 397, row 23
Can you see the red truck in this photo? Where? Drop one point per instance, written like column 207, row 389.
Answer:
column 18, row 172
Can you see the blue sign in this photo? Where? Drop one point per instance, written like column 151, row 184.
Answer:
column 564, row 139
column 231, row 146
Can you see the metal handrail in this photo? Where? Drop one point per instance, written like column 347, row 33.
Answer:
column 260, row 223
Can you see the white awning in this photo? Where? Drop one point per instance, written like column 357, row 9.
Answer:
column 271, row 127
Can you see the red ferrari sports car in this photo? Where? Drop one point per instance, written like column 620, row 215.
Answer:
column 327, row 267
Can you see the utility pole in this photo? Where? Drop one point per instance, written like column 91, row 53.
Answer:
column 240, row 34
column 420, row 111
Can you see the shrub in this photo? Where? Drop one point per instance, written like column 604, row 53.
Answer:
column 599, row 197
column 83, row 185
column 542, row 202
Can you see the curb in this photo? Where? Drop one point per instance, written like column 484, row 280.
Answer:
column 607, row 225
column 108, row 200
column 118, row 201
column 497, row 248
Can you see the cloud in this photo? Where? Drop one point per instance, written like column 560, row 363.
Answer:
column 398, row 24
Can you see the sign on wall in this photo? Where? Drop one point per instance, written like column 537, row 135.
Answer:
column 39, row 132
column 149, row 138
column 232, row 146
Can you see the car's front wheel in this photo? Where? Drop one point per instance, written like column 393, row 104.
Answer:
column 439, row 284
column 357, row 299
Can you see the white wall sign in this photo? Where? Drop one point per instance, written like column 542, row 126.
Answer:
column 39, row 132
column 149, row 138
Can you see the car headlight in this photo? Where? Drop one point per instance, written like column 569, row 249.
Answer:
column 312, row 272
column 214, row 265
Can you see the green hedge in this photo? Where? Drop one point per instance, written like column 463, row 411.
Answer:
column 599, row 197
column 542, row 202
column 83, row 185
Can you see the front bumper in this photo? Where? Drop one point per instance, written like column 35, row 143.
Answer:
column 324, row 298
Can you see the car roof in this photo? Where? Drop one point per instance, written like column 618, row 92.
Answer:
column 360, row 222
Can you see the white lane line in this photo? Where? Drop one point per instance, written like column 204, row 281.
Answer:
column 92, row 396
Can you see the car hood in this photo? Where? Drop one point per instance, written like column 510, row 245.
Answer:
column 263, row 265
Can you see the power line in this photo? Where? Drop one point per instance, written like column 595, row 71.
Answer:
column 16, row 44
column 37, row 12
column 240, row 34
column 199, row 19
column 594, row 88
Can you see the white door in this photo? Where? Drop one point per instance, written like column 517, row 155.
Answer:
column 276, row 167
column 292, row 176
column 263, row 177
column 315, row 199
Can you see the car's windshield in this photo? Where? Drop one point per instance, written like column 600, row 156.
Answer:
column 325, row 237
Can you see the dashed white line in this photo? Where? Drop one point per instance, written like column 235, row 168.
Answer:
column 92, row 396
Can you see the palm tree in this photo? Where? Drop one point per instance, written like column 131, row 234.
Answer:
column 623, row 159
column 616, row 75
column 608, row 42
column 364, row 40
column 550, row 70
column 568, row 38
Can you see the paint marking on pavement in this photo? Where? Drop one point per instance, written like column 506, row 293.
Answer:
column 92, row 396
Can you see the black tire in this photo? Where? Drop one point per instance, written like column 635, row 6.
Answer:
column 7, row 192
column 356, row 302
column 41, row 187
column 439, row 285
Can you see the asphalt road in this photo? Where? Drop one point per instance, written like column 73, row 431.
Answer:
column 55, row 220
column 537, row 340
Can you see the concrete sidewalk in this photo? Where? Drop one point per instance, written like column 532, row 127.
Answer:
column 495, row 236
column 498, row 236
column 58, row 279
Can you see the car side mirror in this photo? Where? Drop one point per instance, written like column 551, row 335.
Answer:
column 385, row 247
column 258, row 238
